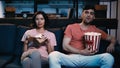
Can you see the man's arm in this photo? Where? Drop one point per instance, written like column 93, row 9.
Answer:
column 67, row 47
column 111, row 46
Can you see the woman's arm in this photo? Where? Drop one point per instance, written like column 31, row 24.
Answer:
column 25, row 45
column 50, row 48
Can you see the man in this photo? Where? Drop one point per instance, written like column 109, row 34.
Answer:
column 79, row 56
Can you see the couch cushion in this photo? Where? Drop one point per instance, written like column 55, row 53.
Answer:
column 13, row 65
column 7, row 42
column 16, row 62
column 59, row 37
column 19, row 44
column 4, row 60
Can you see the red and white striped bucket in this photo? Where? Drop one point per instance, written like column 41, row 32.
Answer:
column 92, row 40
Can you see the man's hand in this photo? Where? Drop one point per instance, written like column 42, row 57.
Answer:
column 87, row 52
column 110, row 48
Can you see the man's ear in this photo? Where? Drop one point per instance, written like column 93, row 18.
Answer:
column 81, row 15
column 94, row 17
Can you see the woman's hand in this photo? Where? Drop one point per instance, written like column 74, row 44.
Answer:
column 41, row 40
column 47, row 42
column 28, row 52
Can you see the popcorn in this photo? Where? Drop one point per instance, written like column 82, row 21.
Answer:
column 38, row 36
column 92, row 40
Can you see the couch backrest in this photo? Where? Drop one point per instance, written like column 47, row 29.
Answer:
column 19, row 44
column 7, row 38
column 59, row 32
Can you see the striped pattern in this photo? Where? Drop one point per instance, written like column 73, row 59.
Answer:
column 92, row 40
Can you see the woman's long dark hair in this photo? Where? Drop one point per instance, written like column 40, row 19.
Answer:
column 45, row 17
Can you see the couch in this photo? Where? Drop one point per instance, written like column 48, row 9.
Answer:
column 11, row 45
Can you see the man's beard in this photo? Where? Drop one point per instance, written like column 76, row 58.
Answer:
column 88, row 23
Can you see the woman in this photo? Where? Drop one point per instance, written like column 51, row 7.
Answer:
column 35, row 56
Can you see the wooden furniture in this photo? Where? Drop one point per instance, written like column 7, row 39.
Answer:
column 54, row 23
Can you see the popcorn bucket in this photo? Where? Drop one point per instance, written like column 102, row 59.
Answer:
column 92, row 40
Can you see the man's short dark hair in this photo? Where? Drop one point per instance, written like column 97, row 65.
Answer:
column 89, row 7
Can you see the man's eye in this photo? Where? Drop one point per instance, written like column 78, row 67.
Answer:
column 86, row 12
column 92, row 13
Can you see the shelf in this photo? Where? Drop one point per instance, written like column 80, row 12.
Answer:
column 100, row 22
column 23, row 5
column 61, row 5
column 107, row 0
